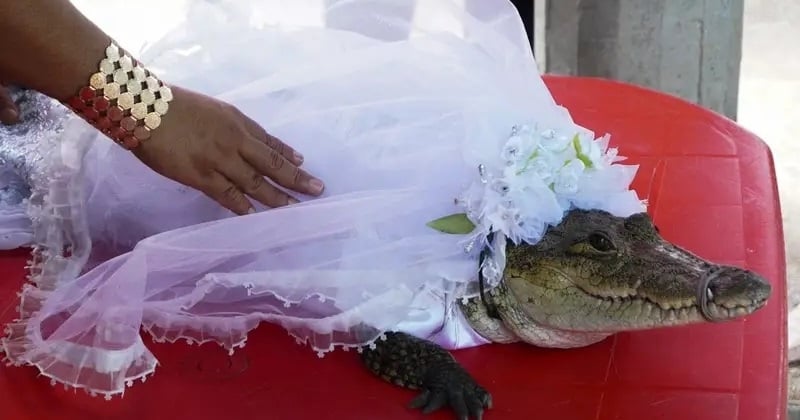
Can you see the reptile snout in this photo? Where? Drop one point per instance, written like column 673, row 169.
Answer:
column 598, row 273
column 735, row 288
column 726, row 292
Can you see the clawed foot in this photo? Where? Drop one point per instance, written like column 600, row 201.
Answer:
column 414, row 363
column 452, row 386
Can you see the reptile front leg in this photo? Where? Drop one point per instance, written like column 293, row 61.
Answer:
column 413, row 363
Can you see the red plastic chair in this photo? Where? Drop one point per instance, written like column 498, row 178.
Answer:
column 711, row 188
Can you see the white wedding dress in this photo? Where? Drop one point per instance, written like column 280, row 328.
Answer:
column 407, row 117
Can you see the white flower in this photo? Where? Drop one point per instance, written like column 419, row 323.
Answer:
column 569, row 175
column 542, row 168
column 557, row 143
column 540, row 174
column 501, row 186
column 513, row 149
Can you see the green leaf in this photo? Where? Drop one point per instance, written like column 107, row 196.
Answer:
column 457, row 224
column 528, row 161
column 576, row 143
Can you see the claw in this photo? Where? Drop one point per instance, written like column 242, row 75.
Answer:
column 418, row 364
column 459, row 404
column 420, row 400
column 476, row 407
column 435, row 402
column 466, row 405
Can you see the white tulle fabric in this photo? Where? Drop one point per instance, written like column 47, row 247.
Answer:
column 394, row 110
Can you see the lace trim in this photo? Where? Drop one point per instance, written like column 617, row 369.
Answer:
column 61, row 235
column 168, row 333
column 61, row 249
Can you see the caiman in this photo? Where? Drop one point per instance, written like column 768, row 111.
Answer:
column 589, row 277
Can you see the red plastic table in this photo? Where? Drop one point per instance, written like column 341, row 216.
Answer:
column 711, row 188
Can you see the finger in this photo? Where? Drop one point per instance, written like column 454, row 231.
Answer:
column 254, row 185
column 270, row 163
column 9, row 114
column 271, row 141
column 224, row 192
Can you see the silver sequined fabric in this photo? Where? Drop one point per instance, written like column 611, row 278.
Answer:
column 23, row 146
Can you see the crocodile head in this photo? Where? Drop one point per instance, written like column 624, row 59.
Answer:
column 595, row 272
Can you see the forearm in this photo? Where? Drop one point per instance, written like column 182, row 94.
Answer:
column 48, row 46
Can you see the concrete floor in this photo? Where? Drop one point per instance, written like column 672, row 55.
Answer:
column 769, row 105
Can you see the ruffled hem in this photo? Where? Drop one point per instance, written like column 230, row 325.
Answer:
column 103, row 372
column 410, row 120
column 58, row 216
column 62, row 244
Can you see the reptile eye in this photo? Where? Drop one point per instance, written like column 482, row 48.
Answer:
column 600, row 242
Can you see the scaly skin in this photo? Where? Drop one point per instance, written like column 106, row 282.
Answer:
column 591, row 276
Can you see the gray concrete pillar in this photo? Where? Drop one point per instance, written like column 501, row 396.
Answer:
column 689, row 48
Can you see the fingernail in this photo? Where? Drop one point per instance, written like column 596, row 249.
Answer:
column 298, row 158
column 292, row 200
column 251, row 211
column 315, row 186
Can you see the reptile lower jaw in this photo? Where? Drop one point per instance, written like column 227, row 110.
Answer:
column 650, row 316
column 678, row 314
column 693, row 315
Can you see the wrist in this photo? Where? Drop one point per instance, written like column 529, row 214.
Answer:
column 53, row 46
column 121, row 98
column 61, row 84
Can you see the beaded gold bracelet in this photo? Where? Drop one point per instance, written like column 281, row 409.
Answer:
column 123, row 100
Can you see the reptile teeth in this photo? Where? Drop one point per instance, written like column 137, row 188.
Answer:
column 671, row 316
column 673, row 312
column 715, row 310
column 683, row 313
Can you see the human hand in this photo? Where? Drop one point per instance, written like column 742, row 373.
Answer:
column 211, row 146
column 9, row 114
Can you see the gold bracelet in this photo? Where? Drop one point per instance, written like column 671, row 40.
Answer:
column 123, row 100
